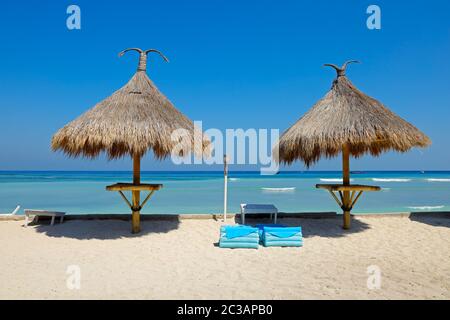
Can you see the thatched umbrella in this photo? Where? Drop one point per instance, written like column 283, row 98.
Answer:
column 133, row 120
column 347, row 120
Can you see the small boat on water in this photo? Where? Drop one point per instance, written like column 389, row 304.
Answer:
column 279, row 189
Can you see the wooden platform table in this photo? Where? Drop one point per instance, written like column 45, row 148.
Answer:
column 135, row 204
column 348, row 196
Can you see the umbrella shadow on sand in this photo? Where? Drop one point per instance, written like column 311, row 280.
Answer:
column 436, row 219
column 104, row 229
column 323, row 227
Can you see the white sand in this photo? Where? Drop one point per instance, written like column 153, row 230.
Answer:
column 178, row 260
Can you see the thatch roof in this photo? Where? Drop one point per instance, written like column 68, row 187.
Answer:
column 134, row 119
column 346, row 115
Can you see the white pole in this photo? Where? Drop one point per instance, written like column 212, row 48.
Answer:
column 225, row 187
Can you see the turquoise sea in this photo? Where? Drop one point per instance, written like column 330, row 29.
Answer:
column 202, row 192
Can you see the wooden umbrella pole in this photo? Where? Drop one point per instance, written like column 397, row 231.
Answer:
column 346, row 181
column 136, row 195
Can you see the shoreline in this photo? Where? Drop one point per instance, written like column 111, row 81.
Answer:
column 236, row 216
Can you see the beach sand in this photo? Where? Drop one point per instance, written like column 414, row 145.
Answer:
column 181, row 260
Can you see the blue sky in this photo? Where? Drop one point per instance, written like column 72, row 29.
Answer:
column 233, row 64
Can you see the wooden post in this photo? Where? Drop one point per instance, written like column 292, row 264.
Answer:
column 346, row 181
column 136, row 195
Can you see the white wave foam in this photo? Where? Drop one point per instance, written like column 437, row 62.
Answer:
column 332, row 179
column 390, row 180
column 426, row 207
column 438, row 180
column 290, row 189
column 234, row 179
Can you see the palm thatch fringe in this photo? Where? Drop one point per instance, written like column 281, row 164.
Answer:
column 134, row 119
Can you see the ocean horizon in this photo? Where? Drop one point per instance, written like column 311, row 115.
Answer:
column 201, row 192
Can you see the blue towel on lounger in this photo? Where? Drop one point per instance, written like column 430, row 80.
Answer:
column 238, row 231
column 269, row 225
column 286, row 232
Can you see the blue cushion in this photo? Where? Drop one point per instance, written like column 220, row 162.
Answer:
column 282, row 237
column 283, row 243
column 239, row 236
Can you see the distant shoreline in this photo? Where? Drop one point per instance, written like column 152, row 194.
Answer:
column 221, row 171
column 236, row 216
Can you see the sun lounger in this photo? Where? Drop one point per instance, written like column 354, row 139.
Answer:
column 282, row 237
column 12, row 213
column 239, row 237
column 35, row 214
column 258, row 209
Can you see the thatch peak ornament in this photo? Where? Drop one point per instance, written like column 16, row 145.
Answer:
column 142, row 66
column 341, row 71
